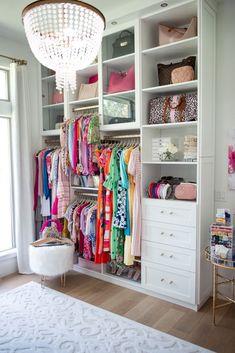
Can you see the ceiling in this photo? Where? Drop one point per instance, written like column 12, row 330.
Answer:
column 10, row 14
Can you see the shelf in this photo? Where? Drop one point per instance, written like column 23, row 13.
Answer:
column 173, row 88
column 89, row 70
column 118, row 94
column 168, row 200
column 89, row 101
column 53, row 106
column 121, row 62
column 51, row 133
column 49, row 78
column 170, row 125
column 174, row 50
column 83, row 188
column 170, row 163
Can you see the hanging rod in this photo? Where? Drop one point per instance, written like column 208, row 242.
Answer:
column 85, row 194
column 120, row 137
column 84, row 108
column 17, row 61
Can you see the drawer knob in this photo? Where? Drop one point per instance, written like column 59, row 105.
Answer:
column 162, row 254
column 162, row 233
column 171, row 282
column 171, row 213
column 162, row 211
column 162, row 279
column 171, row 256
column 171, row 235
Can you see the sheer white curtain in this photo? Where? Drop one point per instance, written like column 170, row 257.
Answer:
column 22, row 164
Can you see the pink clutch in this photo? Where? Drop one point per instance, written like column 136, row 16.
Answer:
column 186, row 191
column 122, row 81
column 57, row 97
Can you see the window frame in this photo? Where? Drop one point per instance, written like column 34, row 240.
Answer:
column 6, row 69
column 6, row 113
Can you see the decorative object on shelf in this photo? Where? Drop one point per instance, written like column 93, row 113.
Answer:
column 124, row 44
column 64, row 35
column 172, row 109
column 169, row 35
column 122, row 81
column 223, row 216
column 168, row 152
column 186, row 191
column 182, row 74
column 88, row 90
column 190, row 148
column 157, row 143
column 165, row 70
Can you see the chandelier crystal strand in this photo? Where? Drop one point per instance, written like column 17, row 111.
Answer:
column 64, row 36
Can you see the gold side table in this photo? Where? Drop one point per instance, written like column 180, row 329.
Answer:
column 219, row 279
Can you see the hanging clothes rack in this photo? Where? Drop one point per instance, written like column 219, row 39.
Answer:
column 15, row 60
column 85, row 194
column 120, row 137
column 90, row 107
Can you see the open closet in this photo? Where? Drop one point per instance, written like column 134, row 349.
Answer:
column 170, row 234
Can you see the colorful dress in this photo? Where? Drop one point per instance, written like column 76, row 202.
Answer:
column 134, row 169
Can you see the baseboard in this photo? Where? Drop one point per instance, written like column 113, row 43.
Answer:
column 8, row 265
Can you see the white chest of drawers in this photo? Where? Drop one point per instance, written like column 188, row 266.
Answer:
column 168, row 248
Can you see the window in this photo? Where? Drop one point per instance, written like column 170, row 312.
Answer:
column 4, row 84
column 6, row 204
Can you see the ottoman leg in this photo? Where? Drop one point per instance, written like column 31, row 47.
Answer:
column 43, row 281
column 63, row 279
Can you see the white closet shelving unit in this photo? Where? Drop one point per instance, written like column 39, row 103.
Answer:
column 174, row 232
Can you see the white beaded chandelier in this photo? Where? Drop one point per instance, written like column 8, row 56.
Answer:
column 64, row 36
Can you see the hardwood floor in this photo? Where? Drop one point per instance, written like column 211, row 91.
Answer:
column 195, row 327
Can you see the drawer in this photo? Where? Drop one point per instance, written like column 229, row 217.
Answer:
column 164, row 280
column 182, row 259
column 172, row 212
column 169, row 234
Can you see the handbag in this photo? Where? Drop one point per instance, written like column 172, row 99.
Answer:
column 51, row 231
column 165, row 70
column 186, row 191
column 93, row 79
column 171, row 109
column 122, row 81
column 124, row 44
column 168, row 34
column 87, row 90
column 57, row 97
column 182, row 74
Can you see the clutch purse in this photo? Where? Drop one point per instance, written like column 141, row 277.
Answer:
column 88, row 90
column 165, row 70
column 186, row 191
column 182, row 74
column 169, row 35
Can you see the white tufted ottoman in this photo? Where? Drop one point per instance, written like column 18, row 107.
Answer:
column 51, row 261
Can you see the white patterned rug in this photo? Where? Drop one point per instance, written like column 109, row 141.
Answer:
column 36, row 320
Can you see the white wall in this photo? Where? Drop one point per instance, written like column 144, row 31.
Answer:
column 225, row 100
